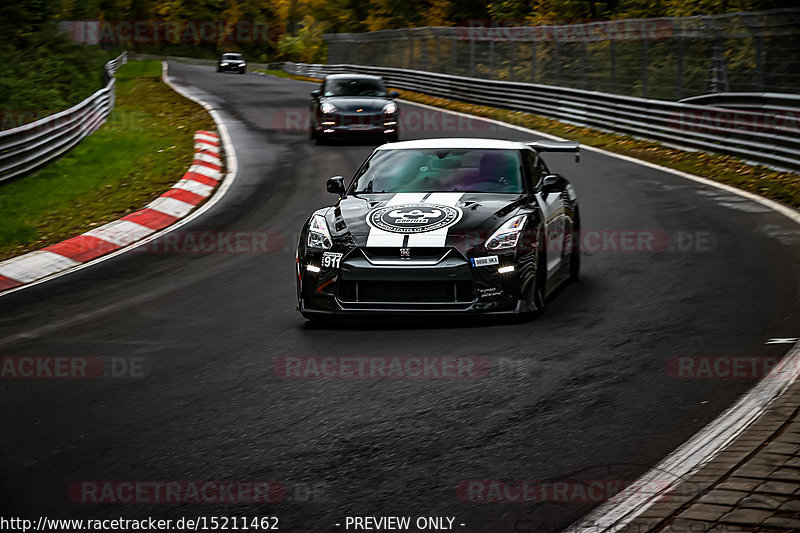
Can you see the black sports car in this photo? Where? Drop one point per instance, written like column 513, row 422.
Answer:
column 351, row 104
column 444, row 225
column 233, row 62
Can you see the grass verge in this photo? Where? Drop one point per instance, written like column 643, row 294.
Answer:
column 783, row 187
column 142, row 150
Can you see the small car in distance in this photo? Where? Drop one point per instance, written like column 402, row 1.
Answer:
column 231, row 61
column 350, row 105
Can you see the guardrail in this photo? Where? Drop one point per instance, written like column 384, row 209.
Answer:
column 762, row 136
column 26, row 148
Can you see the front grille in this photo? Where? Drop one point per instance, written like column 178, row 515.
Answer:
column 377, row 255
column 407, row 291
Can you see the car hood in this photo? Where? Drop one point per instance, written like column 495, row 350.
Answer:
column 420, row 220
column 352, row 104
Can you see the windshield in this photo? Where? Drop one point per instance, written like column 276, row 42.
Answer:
column 231, row 56
column 354, row 87
column 435, row 170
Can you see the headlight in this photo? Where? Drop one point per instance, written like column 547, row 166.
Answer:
column 242, row 64
column 390, row 108
column 224, row 64
column 327, row 107
column 506, row 235
column 318, row 234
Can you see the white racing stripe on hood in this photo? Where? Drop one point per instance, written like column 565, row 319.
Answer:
column 436, row 238
column 380, row 238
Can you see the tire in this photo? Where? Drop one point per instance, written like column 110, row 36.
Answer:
column 312, row 134
column 242, row 71
column 219, row 69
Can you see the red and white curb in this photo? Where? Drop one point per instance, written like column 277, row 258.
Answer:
column 195, row 186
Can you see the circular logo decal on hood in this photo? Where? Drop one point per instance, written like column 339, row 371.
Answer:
column 413, row 218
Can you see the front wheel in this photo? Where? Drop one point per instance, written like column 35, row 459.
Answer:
column 242, row 71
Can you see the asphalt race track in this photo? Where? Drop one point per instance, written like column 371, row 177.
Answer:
column 582, row 393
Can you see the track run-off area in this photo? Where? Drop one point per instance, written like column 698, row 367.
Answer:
column 195, row 330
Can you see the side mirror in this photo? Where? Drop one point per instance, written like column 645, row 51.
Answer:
column 335, row 185
column 553, row 183
column 316, row 93
column 394, row 94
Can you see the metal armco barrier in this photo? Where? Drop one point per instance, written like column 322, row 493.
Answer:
column 766, row 130
column 27, row 148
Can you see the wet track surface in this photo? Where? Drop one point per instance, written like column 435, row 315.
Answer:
column 582, row 393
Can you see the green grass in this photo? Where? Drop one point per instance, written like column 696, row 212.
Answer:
column 141, row 151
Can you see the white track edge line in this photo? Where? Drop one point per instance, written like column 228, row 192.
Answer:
column 226, row 182
column 706, row 443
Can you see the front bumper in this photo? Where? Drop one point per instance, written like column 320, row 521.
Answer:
column 441, row 281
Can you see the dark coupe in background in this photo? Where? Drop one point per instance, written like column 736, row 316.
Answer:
column 348, row 105
column 232, row 62
column 442, row 225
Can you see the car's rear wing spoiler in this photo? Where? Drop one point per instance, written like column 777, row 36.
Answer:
column 557, row 146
